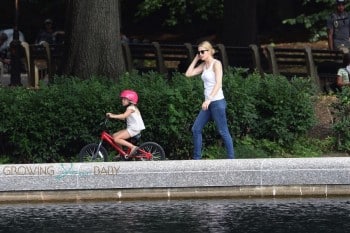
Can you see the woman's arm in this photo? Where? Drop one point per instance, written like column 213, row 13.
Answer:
column 218, row 78
column 192, row 70
column 340, row 81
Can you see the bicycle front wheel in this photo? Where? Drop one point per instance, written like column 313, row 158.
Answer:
column 90, row 153
column 154, row 149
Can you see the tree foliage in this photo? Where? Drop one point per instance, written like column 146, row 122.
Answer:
column 315, row 20
column 182, row 11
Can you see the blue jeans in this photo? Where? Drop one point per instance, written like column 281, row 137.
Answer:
column 216, row 112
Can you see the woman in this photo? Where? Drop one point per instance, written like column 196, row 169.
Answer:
column 214, row 104
column 343, row 73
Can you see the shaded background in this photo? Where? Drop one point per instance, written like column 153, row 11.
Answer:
column 32, row 14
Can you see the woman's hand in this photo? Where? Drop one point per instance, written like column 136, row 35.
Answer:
column 192, row 70
column 196, row 58
column 108, row 115
column 205, row 105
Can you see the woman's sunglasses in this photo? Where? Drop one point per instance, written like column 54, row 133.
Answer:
column 201, row 51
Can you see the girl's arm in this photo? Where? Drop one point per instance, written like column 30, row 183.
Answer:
column 121, row 116
column 192, row 70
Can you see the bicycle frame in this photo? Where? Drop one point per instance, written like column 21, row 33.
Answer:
column 109, row 139
column 106, row 137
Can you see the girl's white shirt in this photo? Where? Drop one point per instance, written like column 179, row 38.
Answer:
column 134, row 120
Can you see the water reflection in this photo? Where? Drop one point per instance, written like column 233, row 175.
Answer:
column 226, row 215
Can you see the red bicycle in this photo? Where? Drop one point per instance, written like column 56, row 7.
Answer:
column 96, row 152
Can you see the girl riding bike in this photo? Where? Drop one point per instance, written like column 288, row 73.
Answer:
column 133, row 119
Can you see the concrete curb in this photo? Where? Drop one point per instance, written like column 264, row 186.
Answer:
column 175, row 179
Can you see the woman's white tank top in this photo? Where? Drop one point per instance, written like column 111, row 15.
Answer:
column 209, row 81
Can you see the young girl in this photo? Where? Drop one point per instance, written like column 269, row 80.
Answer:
column 133, row 118
column 214, row 104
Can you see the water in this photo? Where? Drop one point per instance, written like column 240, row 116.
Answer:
column 314, row 215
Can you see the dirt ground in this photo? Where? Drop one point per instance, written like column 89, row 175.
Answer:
column 323, row 127
column 323, row 111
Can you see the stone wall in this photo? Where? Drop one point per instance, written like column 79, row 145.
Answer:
column 175, row 179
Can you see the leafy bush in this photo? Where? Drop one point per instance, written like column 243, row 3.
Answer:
column 285, row 109
column 342, row 120
column 51, row 124
column 249, row 147
column 240, row 94
column 265, row 115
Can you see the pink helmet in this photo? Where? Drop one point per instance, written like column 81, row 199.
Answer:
column 130, row 95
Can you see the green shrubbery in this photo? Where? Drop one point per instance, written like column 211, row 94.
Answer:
column 267, row 116
column 52, row 123
column 342, row 120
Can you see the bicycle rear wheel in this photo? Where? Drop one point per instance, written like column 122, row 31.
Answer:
column 89, row 153
column 155, row 149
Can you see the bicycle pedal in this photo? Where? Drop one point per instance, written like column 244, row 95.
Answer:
column 117, row 158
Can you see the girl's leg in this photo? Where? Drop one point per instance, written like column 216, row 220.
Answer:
column 120, row 138
column 202, row 118
column 218, row 112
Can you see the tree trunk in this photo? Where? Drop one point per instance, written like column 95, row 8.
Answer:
column 240, row 25
column 93, row 45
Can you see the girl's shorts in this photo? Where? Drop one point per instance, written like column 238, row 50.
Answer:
column 132, row 132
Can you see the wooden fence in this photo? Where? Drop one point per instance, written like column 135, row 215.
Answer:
column 319, row 64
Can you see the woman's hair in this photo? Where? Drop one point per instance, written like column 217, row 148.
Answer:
column 206, row 44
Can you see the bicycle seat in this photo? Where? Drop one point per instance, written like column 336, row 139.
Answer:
column 136, row 137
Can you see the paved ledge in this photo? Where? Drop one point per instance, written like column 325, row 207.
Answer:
column 175, row 179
